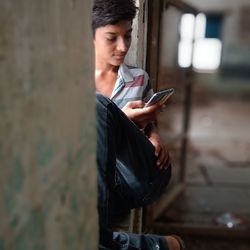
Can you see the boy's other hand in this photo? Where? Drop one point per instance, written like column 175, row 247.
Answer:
column 161, row 151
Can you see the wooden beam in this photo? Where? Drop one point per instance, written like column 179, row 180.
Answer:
column 155, row 8
column 152, row 212
column 166, row 200
column 202, row 230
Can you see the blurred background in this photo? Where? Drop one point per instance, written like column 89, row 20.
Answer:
column 204, row 53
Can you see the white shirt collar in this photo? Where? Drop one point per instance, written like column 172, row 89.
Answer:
column 125, row 73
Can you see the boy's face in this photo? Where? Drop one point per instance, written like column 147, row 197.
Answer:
column 112, row 42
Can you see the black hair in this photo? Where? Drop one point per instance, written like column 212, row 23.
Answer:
column 111, row 12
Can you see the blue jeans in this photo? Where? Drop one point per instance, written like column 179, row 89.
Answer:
column 127, row 175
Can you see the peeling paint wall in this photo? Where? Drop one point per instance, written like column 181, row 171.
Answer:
column 47, row 126
column 137, row 53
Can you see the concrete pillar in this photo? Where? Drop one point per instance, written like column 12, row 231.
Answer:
column 47, row 126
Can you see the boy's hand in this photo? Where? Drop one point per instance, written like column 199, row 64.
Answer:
column 136, row 112
column 161, row 151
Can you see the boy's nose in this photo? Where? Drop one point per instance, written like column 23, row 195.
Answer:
column 122, row 45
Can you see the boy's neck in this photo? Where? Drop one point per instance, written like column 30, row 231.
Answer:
column 105, row 67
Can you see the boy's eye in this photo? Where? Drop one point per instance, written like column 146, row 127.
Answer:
column 111, row 39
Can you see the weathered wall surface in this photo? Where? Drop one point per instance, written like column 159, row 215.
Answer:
column 137, row 53
column 47, row 126
column 170, row 37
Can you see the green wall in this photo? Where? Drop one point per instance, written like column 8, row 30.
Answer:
column 47, row 126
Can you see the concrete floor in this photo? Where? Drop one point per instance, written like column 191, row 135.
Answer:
column 217, row 174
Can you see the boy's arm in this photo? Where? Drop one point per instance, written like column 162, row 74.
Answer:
column 161, row 151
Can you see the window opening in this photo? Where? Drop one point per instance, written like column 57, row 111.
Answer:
column 200, row 43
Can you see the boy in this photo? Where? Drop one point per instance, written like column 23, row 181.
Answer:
column 121, row 146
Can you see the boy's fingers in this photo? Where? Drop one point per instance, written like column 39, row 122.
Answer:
column 136, row 104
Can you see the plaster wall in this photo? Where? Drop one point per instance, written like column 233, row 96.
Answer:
column 137, row 52
column 169, row 37
column 47, row 126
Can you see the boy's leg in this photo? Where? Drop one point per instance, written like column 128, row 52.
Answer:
column 126, row 161
column 141, row 181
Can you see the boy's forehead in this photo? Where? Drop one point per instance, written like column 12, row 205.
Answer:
column 120, row 26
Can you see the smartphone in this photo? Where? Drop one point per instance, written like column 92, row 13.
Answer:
column 160, row 97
